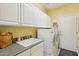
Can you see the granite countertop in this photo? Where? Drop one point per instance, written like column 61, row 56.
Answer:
column 15, row 49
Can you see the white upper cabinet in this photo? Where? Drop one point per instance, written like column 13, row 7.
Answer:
column 9, row 13
column 32, row 16
column 23, row 14
column 45, row 21
column 37, row 16
column 41, row 19
column 27, row 15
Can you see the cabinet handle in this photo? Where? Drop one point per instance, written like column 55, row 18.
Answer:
column 76, row 32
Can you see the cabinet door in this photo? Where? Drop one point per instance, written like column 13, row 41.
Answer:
column 27, row 14
column 41, row 19
column 37, row 16
column 37, row 50
column 9, row 12
column 25, row 53
column 45, row 20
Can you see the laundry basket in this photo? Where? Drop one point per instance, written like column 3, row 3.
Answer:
column 5, row 39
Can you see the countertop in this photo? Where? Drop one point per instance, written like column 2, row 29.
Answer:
column 15, row 48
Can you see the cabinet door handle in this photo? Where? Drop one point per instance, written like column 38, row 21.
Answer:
column 76, row 32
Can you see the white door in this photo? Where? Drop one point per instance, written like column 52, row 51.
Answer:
column 67, row 25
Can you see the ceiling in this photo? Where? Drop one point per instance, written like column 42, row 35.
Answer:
column 52, row 5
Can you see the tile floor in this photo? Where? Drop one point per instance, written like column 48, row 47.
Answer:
column 64, row 52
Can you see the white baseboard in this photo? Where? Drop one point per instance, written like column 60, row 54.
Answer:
column 78, row 52
column 58, row 52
